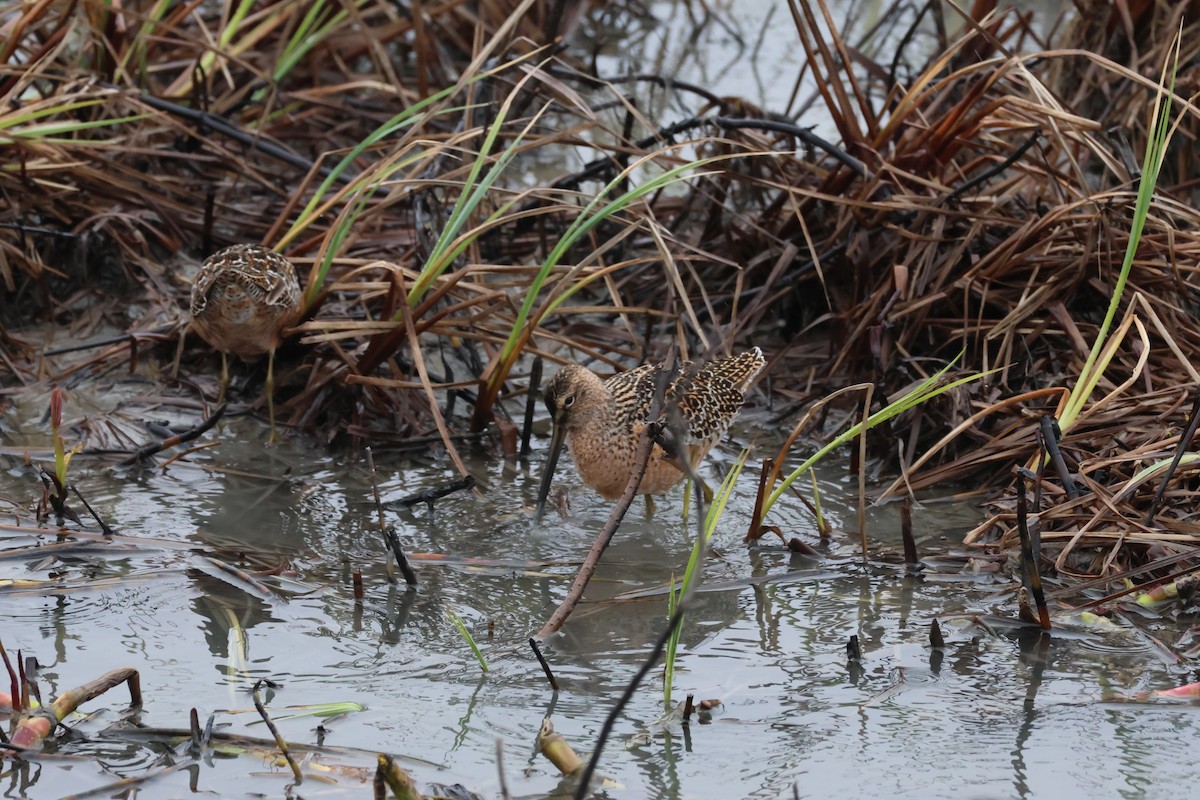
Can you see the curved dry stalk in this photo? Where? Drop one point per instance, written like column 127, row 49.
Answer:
column 969, row 423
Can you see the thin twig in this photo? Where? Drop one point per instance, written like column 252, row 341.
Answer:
column 1030, row 557
column 611, row 720
column 436, row 493
column 389, row 535
column 280, row 742
column 641, row 459
column 803, row 134
column 173, row 441
column 1181, row 448
column 103, row 526
column 204, row 119
column 504, row 793
column 991, row 172
column 1050, row 439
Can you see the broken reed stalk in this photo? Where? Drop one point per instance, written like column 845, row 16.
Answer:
column 389, row 535
column 1051, row 436
column 1185, row 441
column 31, row 730
column 107, row 531
column 194, row 726
column 862, row 469
column 1030, row 554
column 171, row 441
column 537, row 652
column 429, row 496
column 756, row 527
column 397, row 551
column 588, row 568
column 556, row 749
column 823, row 527
column 395, row 778
column 936, row 640
column 29, row 677
column 911, row 560
column 378, row 784
column 14, row 683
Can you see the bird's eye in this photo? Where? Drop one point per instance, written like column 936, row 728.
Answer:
column 568, row 401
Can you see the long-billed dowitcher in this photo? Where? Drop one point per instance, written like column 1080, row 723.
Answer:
column 242, row 300
column 601, row 420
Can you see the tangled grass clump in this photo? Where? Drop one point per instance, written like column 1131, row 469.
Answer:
column 978, row 199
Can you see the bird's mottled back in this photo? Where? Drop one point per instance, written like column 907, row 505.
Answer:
column 266, row 277
column 708, row 396
column 243, row 297
column 601, row 421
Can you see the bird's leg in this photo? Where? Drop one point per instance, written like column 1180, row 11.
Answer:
column 178, row 353
column 675, row 454
column 270, row 390
column 224, row 378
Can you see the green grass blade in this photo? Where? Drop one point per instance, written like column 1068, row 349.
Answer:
column 51, row 131
column 927, row 390
column 1156, row 147
column 235, row 22
column 408, row 117
column 595, row 212
column 466, row 634
column 38, row 111
column 473, row 192
column 306, row 38
column 672, row 643
column 695, row 567
column 403, row 119
column 345, row 223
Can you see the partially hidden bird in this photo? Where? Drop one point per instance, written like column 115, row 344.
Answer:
column 243, row 299
column 601, row 420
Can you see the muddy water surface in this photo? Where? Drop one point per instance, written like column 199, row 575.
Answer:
column 997, row 714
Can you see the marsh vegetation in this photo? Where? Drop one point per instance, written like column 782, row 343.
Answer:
column 973, row 280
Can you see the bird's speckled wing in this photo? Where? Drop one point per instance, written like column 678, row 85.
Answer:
column 708, row 396
column 266, row 277
column 632, row 394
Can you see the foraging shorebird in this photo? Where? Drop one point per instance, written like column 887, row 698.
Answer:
column 601, row 420
column 242, row 300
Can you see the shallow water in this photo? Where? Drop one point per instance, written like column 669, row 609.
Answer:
column 997, row 714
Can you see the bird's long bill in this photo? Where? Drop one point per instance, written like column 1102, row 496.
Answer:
column 557, row 436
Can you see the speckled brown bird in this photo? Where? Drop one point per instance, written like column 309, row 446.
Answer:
column 243, row 298
column 601, row 420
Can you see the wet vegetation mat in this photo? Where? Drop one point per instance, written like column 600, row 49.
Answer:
column 964, row 246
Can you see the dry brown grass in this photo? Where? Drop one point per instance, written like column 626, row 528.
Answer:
column 979, row 199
